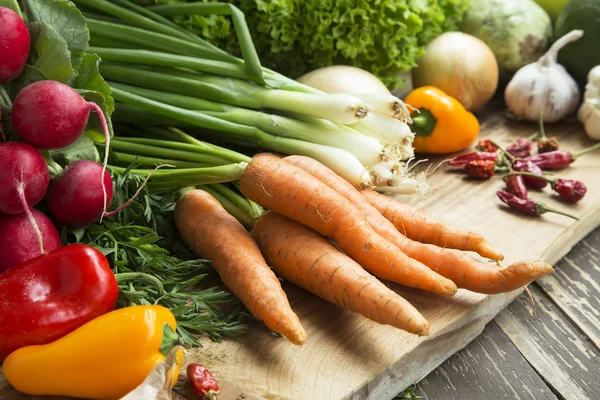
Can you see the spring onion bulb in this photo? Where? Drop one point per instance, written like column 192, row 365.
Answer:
column 385, row 129
column 385, row 104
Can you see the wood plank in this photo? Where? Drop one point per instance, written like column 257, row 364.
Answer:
column 490, row 367
column 575, row 287
column 553, row 346
column 349, row 357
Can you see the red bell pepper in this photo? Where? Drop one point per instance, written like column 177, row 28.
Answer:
column 43, row 299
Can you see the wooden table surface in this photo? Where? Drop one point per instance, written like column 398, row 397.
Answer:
column 552, row 355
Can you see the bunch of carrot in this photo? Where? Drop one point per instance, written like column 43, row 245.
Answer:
column 310, row 206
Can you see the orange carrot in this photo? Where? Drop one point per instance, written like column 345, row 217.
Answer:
column 420, row 227
column 302, row 256
column 214, row 234
column 466, row 272
column 291, row 192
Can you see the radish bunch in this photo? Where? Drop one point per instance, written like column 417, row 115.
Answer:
column 46, row 115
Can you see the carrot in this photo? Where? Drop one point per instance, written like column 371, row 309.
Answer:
column 466, row 272
column 291, row 192
column 302, row 256
column 420, row 227
column 214, row 234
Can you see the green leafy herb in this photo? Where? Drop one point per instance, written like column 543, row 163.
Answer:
column 148, row 273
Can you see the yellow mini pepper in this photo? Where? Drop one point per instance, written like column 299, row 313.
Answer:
column 103, row 359
column 441, row 125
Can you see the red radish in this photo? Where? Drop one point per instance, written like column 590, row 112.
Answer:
column 24, row 177
column 75, row 197
column 52, row 115
column 14, row 45
column 20, row 241
column 24, row 181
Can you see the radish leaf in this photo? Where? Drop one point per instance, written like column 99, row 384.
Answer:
column 89, row 78
column 64, row 17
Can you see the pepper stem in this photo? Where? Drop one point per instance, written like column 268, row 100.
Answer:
column 542, row 130
column 505, row 153
column 551, row 181
column 588, row 150
column 424, row 123
column 542, row 208
column 170, row 339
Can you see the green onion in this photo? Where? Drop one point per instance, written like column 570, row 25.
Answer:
column 339, row 108
column 368, row 150
column 341, row 161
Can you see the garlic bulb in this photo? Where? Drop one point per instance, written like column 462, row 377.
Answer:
column 589, row 112
column 544, row 84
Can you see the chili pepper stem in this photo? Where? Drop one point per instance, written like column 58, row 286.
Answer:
column 542, row 130
column 545, row 208
column 588, row 150
column 513, row 173
column 504, row 152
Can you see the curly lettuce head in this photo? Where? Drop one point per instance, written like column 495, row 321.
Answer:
column 384, row 37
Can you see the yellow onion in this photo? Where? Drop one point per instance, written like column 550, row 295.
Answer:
column 462, row 66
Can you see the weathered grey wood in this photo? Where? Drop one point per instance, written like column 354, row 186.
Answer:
column 555, row 348
column 575, row 286
column 490, row 367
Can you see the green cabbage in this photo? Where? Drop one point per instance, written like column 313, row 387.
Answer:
column 296, row 36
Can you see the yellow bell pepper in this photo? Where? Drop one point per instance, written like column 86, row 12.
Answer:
column 441, row 125
column 104, row 359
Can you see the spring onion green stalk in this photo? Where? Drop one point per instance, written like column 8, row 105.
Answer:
column 163, row 180
column 341, row 161
column 251, row 61
column 340, row 108
column 368, row 150
column 145, row 150
column 128, row 159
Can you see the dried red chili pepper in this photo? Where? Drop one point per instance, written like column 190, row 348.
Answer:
column 547, row 145
column 486, row 145
column 521, row 148
column 528, row 206
column 559, row 159
column 515, row 184
column 480, row 169
column 463, row 159
column 570, row 190
column 204, row 384
column 529, row 166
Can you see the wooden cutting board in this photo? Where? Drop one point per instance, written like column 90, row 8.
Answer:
column 349, row 357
